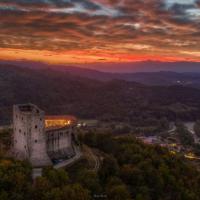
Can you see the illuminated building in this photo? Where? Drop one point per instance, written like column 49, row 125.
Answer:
column 41, row 139
column 59, row 121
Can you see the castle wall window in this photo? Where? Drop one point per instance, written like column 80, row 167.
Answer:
column 36, row 126
column 35, row 141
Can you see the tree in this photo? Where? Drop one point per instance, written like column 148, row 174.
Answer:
column 41, row 188
column 118, row 192
column 108, row 168
column 55, row 194
column 75, row 192
column 197, row 149
column 184, row 135
column 5, row 139
column 57, row 178
column 89, row 179
column 15, row 179
column 197, row 128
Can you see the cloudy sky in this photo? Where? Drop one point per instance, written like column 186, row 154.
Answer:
column 100, row 31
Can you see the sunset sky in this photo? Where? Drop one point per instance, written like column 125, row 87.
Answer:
column 100, row 31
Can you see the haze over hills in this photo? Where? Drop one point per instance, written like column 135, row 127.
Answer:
column 61, row 92
column 131, row 67
column 146, row 66
column 164, row 78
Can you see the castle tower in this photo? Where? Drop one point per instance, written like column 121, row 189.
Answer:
column 29, row 135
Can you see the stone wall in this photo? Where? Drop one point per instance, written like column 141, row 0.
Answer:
column 59, row 143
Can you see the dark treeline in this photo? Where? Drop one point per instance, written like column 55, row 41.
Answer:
column 60, row 93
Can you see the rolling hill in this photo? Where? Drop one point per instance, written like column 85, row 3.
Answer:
column 160, row 78
column 61, row 92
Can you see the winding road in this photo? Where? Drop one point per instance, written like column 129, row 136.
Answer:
column 190, row 127
column 92, row 158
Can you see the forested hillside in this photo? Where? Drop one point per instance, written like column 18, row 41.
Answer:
column 61, row 93
column 129, row 170
column 161, row 76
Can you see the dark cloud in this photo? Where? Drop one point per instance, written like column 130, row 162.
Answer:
column 35, row 3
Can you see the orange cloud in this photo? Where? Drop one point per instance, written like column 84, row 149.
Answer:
column 89, row 31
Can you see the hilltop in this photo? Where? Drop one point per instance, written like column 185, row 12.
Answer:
column 63, row 92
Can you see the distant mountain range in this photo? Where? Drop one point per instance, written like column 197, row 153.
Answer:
column 131, row 67
column 162, row 78
column 146, row 66
column 99, row 95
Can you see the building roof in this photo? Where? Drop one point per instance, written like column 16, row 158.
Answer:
column 59, row 121
column 60, row 117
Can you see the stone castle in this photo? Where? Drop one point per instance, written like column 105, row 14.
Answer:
column 41, row 139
